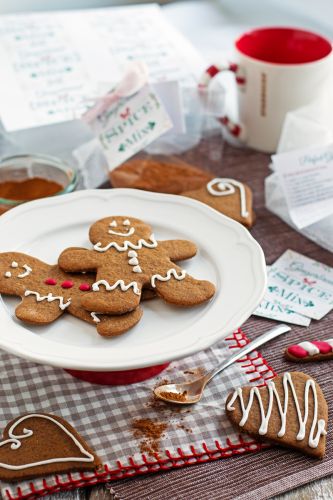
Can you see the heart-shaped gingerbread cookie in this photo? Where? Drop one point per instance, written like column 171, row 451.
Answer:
column 38, row 444
column 290, row 411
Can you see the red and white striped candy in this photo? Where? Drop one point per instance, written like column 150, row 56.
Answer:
column 305, row 349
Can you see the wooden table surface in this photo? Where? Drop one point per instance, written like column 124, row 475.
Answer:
column 317, row 490
column 322, row 489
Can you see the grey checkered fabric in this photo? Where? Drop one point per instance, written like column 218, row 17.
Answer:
column 103, row 415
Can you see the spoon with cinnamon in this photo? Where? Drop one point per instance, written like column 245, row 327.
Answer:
column 185, row 393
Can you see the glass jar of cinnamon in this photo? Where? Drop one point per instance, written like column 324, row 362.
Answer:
column 29, row 177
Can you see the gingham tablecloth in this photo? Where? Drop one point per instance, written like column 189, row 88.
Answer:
column 104, row 415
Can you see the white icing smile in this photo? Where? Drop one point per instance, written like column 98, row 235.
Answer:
column 129, row 232
column 26, row 273
column 117, row 233
column 14, row 265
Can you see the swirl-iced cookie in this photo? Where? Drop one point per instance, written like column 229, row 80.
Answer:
column 38, row 444
column 228, row 196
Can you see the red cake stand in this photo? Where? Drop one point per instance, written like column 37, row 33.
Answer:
column 123, row 377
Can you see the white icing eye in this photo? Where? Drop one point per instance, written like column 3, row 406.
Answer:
column 14, row 264
column 8, row 274
column 113, row 223
column 126, row 223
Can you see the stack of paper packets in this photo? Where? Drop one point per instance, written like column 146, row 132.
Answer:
column 299, row 289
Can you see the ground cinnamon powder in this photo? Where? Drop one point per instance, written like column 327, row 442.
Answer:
column 150, row 433
column 174, row 396
column 29, row 189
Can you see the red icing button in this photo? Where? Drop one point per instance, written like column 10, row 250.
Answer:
column 67, row 284
column 84, row 287
column 50, row 281
column 297, row 351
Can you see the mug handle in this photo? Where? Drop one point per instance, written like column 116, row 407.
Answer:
column 236, row 129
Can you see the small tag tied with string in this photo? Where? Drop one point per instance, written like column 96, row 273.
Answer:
column 129, row 117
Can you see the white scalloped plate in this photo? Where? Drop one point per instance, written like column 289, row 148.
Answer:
column 228, row 256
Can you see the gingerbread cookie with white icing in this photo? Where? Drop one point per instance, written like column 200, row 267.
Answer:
column 127, row 258
column 38, row 444
column 228, row 196
column 290, row 411
column 47, row 292
column 306, row 351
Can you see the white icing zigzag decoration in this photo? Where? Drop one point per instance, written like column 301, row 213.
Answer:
column 16, row 444
column 119, row 283
column 171, row 272
column 287, row 380
column 227, row 187
column 127, row 244
column 50, row 298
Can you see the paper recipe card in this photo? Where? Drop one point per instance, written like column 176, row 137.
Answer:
column 52, row 63
column 306, row 178
column 303, row 283
column 130, row 124
column 299, row 289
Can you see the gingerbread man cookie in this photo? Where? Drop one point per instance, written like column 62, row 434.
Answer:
column 37, row 444
column 228, row 196
column 290, row 411
column 310, row 351
column 47, row 292
column 127, row 258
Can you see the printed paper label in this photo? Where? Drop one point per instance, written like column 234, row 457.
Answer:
column 304, row 284
column 274, row 309
column 130, row 124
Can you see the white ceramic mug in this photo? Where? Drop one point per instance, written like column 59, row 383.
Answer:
column 277, row 70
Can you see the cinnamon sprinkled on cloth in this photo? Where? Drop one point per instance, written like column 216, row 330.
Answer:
column 150, row 433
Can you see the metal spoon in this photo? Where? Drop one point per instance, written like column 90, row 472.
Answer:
column 186, row 393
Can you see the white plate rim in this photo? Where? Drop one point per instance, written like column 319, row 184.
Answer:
column 244, row 237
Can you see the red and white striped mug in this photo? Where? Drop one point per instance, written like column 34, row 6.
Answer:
column 277, row 70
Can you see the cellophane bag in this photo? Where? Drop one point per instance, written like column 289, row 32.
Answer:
column 200, row 145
